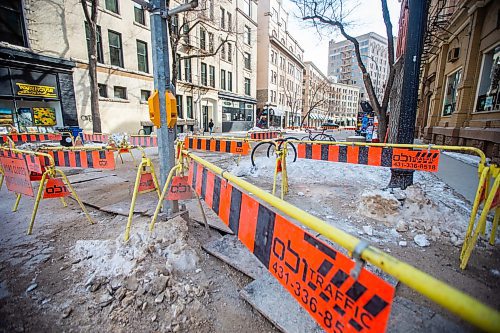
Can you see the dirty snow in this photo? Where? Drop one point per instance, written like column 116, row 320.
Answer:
column 429, row 207
column 465, row 158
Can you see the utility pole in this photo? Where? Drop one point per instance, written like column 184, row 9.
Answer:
column 417, row 20
column 161, row 73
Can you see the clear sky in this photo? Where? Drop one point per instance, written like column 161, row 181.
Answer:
column 366, row 17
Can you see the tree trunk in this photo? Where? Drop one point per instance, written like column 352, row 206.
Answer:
column 94, row 88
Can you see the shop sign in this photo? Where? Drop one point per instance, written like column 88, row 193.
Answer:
column 36, row 90
column 249, row 106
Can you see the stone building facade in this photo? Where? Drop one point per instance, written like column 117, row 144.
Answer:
column 459, row 97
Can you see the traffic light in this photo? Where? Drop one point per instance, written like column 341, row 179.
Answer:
column 154, row 108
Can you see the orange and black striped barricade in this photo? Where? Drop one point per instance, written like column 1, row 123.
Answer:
column 401, row 158
column 18, row 167
column 264, row 135
column 96, row 137
column 20, row 138
column 144, row 140
column 240, row 147
column 86, row 158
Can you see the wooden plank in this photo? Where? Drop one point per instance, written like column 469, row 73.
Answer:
column 268, row 297
column 230, row 250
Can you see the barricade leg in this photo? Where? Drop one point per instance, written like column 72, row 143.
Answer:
column 134, row 198
column 494, row 227
column 475, row 207
column 275, row 175
column 77, row 198
column 486, row 193
column 162, row 196
column 37, row 201
column 16, row 204
column 482, row 220
column 1, row 180
column 63, row 202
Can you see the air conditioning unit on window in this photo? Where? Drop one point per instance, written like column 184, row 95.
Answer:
column 453, row 54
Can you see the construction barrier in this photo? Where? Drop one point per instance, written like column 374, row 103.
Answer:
column 18, row 165
column 144, row 140
column 328, row 127
column 490, row 198
column 233, row 146
column 96, row 137
column 264, row 135
column 20, row 138
column 401, row 158
column 338, row 292
column 80, row 157
column 145, row 181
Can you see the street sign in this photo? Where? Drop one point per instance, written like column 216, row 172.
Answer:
column 17, row 175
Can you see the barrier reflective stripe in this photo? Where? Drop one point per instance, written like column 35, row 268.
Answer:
column 402, row 158
column 95, row 137
column 314, row 273
column 264, row 135
column 216, row 145
column 144, row 141
column 91, row 159
column 28, row 137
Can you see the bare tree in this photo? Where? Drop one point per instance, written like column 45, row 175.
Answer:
column 293, row 99
column 181, row 34
column 90, row 11
column 335, row 14
column 318, row 97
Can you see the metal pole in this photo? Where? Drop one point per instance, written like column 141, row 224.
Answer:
column 161, row 73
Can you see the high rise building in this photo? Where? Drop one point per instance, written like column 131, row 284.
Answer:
column 328, row 101
column 280, row 67
column 343, row 65
column 217, row 86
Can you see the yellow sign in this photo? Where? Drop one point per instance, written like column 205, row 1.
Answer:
column 44, row 116
column 35, row 90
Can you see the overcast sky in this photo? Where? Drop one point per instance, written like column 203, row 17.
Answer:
column 367, row 17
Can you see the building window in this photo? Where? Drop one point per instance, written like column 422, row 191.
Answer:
column 248, row 61
column 222, row 49
column 211, row 76
column 488, row 92
column 189, row 107
column 211, row 9
column 247, row 86
column 100, row 58
column 178, row 65
column 175, row 25
column 451, row 92
column 222, row 18
column 12, row 29
column 120, row 92
column 229, row 52
column 112, row 6
column 229, row 22
column 230, row 81
column 187, row 70
column 248, row 35
column 115, row 48
column 211, row 42
column 203, row 74
column 145, row 95
column 103, row 90
column 275, row 15
column 223, row 79
column 142, row 56
column 179, row 106
column 203, row 39
column 247, row 7
column 185, row 32
column 139, row 16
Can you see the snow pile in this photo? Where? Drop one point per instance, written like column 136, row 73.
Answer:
column 419, row 214
column 107, row 258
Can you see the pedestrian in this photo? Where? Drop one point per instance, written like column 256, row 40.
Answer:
column 211, row 126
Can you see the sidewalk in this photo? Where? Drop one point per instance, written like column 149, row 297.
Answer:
column 460, row 176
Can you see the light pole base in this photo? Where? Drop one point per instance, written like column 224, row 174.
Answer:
column 401, row 178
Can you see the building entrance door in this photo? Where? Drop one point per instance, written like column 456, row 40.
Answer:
column 205, row 118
